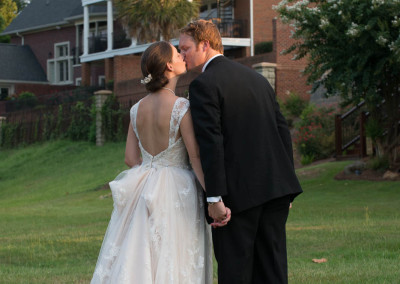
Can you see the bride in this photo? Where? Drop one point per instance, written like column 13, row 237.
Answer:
column 157, row 232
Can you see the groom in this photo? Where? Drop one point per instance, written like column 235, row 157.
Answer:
column 247, row 159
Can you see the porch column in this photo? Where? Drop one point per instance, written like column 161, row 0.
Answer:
column 100, row 98
column 268, row 71
column 110, row 25
column 86, row 74
column 85, row 30
column 109, row 69
column 77, row 45
column 251, row 29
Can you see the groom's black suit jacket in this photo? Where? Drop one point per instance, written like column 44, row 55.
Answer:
column 245, row 145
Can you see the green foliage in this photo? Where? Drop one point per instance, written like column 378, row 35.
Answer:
column 353, row 49
column 3, row 39
column 8, row 11
column 10, row 133
column 373, row 129
column 148, row 20
column 26, row 100
column 112, row 119
column 54, row 213
column 315, row 136
column 307, row 159
column 378, row 164
column 263, row 47
column 80, row 122
column 295, row 104
column 21, row 4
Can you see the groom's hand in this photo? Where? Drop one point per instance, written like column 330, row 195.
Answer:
column 217, row 211
column 224, row 222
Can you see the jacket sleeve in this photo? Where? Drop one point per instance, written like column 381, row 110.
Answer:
column 205, row 104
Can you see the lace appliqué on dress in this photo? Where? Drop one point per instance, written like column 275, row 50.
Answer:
column 180, row 108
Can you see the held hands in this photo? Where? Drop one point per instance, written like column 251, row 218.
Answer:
column 220, row 214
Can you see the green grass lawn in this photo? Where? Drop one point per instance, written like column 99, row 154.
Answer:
column 54, row 213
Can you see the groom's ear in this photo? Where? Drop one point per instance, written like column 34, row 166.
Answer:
column 206, row 45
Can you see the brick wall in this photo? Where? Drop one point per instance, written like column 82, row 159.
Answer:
column 40, row 89
column 263, row 16
column 288, row 71
column 127, row 74
column 42, row 45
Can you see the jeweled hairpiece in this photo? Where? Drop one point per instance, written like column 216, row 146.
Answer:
column 146, row 79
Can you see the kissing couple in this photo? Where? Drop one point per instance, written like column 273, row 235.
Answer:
column 230, row 136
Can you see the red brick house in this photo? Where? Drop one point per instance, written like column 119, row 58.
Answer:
column 242, row 23
column 52, row 31
column 79, row 42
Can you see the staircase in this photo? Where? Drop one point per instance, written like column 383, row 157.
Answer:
column 350, row 138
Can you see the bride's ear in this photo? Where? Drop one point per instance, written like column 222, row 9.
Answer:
column 169, row 67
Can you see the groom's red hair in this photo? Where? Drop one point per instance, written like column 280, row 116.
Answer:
column 202, row 30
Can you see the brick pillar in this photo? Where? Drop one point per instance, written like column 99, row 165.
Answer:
column 267, row 70
column 86, row 74
column 2, row 122
column 100, row 98
column 109, row 69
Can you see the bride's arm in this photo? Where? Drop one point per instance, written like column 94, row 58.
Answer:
column 187, row 132
column 132, row 150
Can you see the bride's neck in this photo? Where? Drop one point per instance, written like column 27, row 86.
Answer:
column 172, row 83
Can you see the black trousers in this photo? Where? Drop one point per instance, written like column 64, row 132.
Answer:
column 252, row 247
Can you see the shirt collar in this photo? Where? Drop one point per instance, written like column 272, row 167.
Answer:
column 209, row 60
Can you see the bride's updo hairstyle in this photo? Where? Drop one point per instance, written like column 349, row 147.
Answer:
column 154, row 63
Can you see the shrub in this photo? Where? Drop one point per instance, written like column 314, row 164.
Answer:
column 263, row 47
column 295, row 104
column 378, row 164
column 307, row 159
column 314, row 136
column 26, row 100
column 112, row 120
column 80, row 122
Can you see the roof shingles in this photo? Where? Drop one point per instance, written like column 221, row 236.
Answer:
column 18, row 63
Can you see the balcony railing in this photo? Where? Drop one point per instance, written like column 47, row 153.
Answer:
column 99, row 43
column 232, row 27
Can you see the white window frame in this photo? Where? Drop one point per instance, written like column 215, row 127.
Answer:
column 53, row 73
column 78, row 81
column 10, row 88
column 100, row 78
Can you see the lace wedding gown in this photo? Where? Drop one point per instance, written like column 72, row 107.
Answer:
column 157, row 232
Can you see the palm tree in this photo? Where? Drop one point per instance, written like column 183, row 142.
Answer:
column 148, row 20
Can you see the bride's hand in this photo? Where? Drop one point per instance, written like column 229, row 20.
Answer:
column 225, row 221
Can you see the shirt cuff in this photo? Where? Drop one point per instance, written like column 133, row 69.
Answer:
column 214, row 199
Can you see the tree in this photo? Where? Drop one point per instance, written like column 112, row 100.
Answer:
column 8, row 10
column 21, row 4
column 353, row 49
column 148, row 20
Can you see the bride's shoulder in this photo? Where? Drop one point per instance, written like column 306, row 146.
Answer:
column 182, row 102
column 136, row 105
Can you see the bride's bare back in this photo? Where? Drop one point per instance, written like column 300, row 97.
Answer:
column 153, row 122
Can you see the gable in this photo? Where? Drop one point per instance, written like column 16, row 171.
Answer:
column 18, row 63
column 40, row 14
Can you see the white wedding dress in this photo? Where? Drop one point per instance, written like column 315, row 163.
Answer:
column 157, row 232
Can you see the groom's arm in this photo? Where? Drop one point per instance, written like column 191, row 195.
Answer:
column 206, row 113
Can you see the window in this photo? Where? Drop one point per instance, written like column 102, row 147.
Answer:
column 78, row 81
column 59, row 69
column 102, row 81
column 6, row 91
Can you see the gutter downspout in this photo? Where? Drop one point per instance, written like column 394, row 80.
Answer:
column 22, row 38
